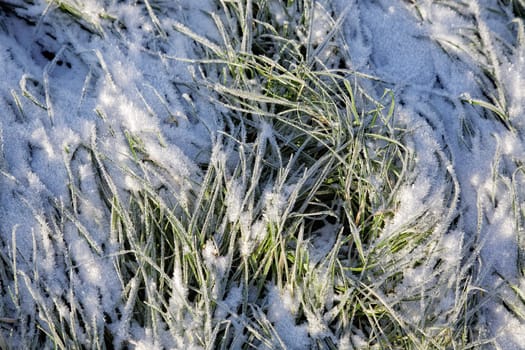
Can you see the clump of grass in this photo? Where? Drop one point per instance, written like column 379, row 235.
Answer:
column 321, row 119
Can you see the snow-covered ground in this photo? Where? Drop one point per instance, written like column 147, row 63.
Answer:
column 116, row 79
column 432, row 54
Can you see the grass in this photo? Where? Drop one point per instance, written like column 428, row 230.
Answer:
column 291, row 227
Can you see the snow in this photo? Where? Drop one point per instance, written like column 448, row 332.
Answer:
column 124, row 85
column 282, row 310
column 400, row 54
column 234, row 201
column 278, row 12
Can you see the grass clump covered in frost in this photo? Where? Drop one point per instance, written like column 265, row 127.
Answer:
column 294, row 230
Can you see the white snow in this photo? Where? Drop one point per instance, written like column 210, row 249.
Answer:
column 282, row 311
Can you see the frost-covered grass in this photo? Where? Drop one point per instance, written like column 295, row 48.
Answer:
column 237, row 174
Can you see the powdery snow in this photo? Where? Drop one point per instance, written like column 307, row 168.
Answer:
column 282, row 312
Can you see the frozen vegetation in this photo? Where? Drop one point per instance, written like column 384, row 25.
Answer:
column 237, row 174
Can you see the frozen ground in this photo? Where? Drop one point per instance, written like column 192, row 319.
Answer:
column 81, row 93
